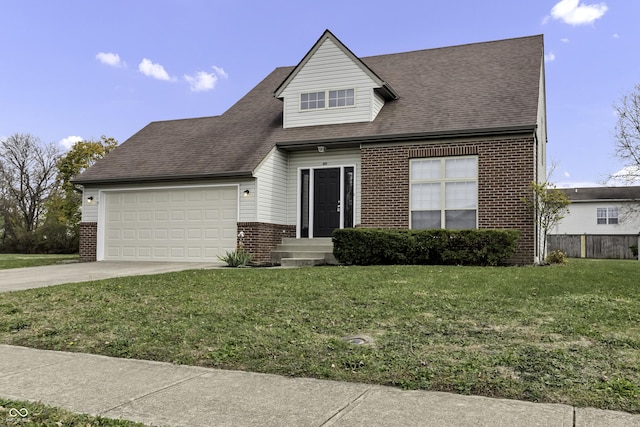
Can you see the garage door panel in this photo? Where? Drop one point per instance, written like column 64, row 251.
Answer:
column 177, row 215
column 145, row 234
column 144, row 251
column 194, row 224
column 194, row 215
column 129, row 234
column 211, row 233
column 229, row 214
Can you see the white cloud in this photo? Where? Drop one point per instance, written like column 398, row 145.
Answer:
column 573, row 13
column 156, row 71
column 549, row 57
column 220, row 72
column 68, row 142
column 564, row 40
column 203, row 81
column 111, row 59
column 616, row 36
column 567, row 174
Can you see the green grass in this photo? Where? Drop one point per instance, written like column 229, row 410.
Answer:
column 567, row 334
column 21, row 260
column 30, row 414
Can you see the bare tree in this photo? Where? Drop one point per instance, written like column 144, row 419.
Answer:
column 27, row 178
column 627, row 133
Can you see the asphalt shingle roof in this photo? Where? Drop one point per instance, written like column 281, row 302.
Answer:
column 602, row 193
column 470, row 88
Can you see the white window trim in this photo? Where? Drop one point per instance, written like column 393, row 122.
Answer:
column 326, row 100
column 607, row 210
column 442, row 180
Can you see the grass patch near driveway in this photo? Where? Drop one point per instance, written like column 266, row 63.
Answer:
column 32, row 414
column 22, row 260
column 567, row 334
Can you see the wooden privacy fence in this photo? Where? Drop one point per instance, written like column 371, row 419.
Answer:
column 615, row 246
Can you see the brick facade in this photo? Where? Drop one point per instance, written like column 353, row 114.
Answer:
column 88, row 241
column 506, row 168
column 261, row 238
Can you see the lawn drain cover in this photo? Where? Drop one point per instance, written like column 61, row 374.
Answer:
column 358, row 339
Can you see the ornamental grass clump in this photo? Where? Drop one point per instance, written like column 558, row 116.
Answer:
column 238, row 258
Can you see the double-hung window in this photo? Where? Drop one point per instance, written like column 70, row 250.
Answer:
column 444, row 193
column 607, row 215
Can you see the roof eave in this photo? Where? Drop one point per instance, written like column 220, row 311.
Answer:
column 153, row 179
column 346, row 142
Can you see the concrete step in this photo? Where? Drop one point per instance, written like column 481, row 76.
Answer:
column 301, row 262
column 318, row 250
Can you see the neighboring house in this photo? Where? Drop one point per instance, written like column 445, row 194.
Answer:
column 601, row 210
column 603, row 222
column 438, row 138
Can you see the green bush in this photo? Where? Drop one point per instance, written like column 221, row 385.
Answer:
column 369, row 246
column 634, row 250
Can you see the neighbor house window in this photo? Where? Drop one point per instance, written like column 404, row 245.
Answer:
column 341, row 98
column 311, row 101
column 607, row 215
column 337, row 98
column 444, row 193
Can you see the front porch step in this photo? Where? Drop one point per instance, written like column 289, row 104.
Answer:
column 302, row 262
column 304, row 252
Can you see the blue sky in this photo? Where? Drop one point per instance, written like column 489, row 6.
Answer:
column 78, row 69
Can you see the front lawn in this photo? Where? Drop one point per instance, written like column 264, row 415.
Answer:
column 567, row 334
column 22, row 260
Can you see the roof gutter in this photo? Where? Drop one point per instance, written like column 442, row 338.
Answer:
column 151, row 179
column 394, row 138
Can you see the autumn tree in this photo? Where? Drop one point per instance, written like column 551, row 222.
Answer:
column 27, row 180
column 64, row 207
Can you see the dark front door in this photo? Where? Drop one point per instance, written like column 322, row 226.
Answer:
column 326, row 201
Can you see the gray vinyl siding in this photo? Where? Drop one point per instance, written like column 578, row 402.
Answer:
column 313, row 159
column 329, row 69
column 271, row 191
column 378, row 103
column 90, row 209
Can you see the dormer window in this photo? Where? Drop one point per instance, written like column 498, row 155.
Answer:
column 341, row 98
column 311, row 101
column 337, row 98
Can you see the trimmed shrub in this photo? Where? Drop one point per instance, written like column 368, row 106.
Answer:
column 371, row 246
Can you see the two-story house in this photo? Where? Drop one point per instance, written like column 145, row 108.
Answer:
column 437, row 138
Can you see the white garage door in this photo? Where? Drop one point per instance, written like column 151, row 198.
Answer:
column 192, row 224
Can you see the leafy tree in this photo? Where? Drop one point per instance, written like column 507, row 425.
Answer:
column 64, row 207
column 627, row 133
column 81, row 156
column 27, row 180
column 549, row 205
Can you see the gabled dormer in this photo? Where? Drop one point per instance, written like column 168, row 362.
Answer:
column 332, row 86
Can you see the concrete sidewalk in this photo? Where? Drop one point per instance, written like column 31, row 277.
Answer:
column 162, row 394
column 15, row 279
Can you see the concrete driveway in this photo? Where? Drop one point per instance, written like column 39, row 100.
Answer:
column 15, row 279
